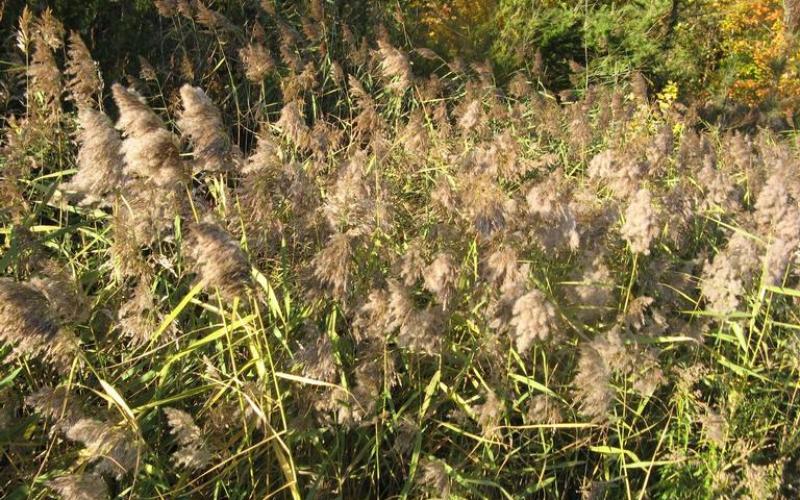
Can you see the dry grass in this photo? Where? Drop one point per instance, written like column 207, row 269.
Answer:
column 383, row 283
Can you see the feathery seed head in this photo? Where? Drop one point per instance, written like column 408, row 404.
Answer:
column 100, row 161
column 192, row 453
column 395, row 65
column 418, row 331
column 135, row 116
column 166, row 8
column 218, row 260
column 28, row 324
column 150, row 150
column 331, row 266
column 293, row 126
column 440, row 277
column 85, row 82
column 592, row 384
column 489, row 414
column 50, row 28
column 80, row 487
column 372, row 321
column 201, row 122
column 412, row 263
column 316, row 356
column 485, row 204
column 116, row 450
column 544, row 409
column 534, row 318
column 257, row 61
column 44, row 90
column 641, row 223
column 433, row 478
column 549, row 203
column 726, row 277
column 68, row 302
column 595, row 294
column 471, row 116
column 519, row 86
column 137, row 316
column 56, row 404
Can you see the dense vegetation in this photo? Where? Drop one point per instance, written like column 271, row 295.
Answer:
column 356, row 250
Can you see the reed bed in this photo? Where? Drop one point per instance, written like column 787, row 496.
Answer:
column 289, row 260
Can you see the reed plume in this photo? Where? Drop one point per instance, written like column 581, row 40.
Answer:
column 778, row 218
column 417, row 330
column 485, row 205
column 415, row 136
column 166, row 8
column 358, row 407
column 154, row 190
column 395, row 66
column 791, row 16
column 67, row 300
column 727, row 276
column 533, row 319
column 145, row 213
column 489, row 414
column 257, row 61
column 331, row 266
column 433, row 478
column 213, row 20
column 544, row 409
column 85, row 82
column 100, row 160
column 51, row 29
column 293, row 126
column 138, row 315
column 350, row 202
column 150, row 151
column 192, row 453
column 440, row 278
column 555, row 220
column 288, row 48
column 218, row 261
column 594, row 293
column 201, row 123
column 115, row 450
column 641, row 226
column 621, row 175
column 433, row 272
column 368, row 121
column 412, row 263
column 471, row 116
column 28, row 324
column 592, row 382
column 504, row 271
column 519, row 86
column 80, row 487
column 372, row 319
column 44, row 90
column 58, row 405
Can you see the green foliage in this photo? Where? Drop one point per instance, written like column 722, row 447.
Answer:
column 624, row 36
column 663, row 38
column 112, row 27
column 694, row 46
column 527, row 27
